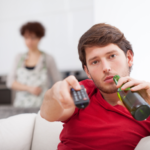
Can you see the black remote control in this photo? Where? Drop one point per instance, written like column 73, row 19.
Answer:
column 80, row 98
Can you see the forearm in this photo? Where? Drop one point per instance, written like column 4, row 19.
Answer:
column 18, row 86
column 51, row 109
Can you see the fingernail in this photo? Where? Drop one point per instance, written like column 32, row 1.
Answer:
column 132, row 88
column 118, row 86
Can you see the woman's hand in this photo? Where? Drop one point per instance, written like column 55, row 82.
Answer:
column 142, row 87
column 34, row 90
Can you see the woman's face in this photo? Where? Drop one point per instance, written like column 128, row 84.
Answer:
column 31, row 40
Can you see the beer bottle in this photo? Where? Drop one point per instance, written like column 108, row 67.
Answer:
column 136, row 105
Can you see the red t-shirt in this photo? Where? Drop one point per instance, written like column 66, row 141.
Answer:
column 102, row 126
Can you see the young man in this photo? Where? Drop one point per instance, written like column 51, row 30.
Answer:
column 105, row 124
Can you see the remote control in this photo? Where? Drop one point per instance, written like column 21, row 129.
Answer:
column 80, row 98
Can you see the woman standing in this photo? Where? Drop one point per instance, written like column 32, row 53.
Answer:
column 34, row 71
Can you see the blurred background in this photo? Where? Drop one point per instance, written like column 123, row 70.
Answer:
column 65, row 21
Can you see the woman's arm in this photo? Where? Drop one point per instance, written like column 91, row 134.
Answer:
column 14, row 84
column 52, row 69
column 18, row 86
column 11, row 79
column 12, row 75
column 21, row 87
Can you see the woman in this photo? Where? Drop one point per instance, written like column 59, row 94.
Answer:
column 34, row 71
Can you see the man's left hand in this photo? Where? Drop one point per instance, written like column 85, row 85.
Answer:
column 142, row 87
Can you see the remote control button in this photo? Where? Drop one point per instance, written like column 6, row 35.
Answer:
column 82, row 106
column 72, row 89
column 76, row 99
column 79, row 97
column 79, row 94
column 83, row 94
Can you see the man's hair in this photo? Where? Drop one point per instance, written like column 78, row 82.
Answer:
column 33, row 27
column 101, row 35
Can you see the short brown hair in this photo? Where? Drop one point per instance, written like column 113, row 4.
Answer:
column 33, row 27
column 101, row 35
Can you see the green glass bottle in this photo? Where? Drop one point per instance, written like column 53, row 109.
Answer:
column 136, row 105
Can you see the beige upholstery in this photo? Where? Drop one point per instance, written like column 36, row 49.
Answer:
column 46, row 134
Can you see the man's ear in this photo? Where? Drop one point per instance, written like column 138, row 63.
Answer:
column 87, row 72
column 129, row 56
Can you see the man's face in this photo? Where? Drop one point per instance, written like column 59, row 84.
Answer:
column 105, row 62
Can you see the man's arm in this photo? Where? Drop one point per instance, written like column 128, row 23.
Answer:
column 58, row 104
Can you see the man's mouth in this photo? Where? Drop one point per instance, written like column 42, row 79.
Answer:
column 109, row 79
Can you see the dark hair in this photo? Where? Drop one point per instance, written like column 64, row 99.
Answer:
column 101, row 35
column 33, row 27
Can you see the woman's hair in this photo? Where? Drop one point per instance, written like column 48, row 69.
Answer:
column 33, row 27
column 101, row 35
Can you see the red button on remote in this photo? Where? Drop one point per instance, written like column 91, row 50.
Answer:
column 85, row 98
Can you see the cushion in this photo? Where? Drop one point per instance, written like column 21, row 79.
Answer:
column 144, row 144
column 16, row 132
column 46, row 134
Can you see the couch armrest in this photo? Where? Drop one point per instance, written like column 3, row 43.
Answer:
column 144, row 144
column 46, row 134
column 16, row 132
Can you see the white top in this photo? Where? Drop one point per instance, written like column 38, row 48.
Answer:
column 52, row 71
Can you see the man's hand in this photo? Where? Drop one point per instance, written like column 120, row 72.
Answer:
column 142, row 87
column 34, row 90
column 61, row 91
column 58, row 104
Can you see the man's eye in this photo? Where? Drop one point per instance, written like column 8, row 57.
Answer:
column 94, row 62
column 112, row 56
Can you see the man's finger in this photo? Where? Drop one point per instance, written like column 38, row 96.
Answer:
column 123, row 80
column 65, row 93
column 140, row 87
column 73, row 82
column 130, row 84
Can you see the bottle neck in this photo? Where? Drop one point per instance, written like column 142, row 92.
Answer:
column 116, row 81
column 116, row 78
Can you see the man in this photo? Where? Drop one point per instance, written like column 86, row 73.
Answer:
column 105, row 124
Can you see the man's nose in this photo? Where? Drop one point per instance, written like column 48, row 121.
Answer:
column 106, row 66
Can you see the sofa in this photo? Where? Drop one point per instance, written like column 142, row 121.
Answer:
column 32, row 132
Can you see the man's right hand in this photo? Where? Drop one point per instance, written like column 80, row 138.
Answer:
column 58, row 103
column 61, row 91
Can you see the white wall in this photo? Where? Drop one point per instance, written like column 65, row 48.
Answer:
column 132, row 18
column 65, row 22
